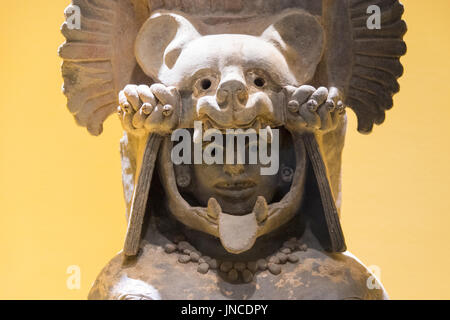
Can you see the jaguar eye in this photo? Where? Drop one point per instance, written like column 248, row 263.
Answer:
column 206, row 84
column 259, row 82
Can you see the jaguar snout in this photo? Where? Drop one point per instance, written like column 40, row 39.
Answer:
column 232, row 94
column 258, row 109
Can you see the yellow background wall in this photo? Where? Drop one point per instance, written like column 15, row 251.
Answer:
column 60, row 189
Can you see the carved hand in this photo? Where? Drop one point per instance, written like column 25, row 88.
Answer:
column 145, row 109
column 313, row 109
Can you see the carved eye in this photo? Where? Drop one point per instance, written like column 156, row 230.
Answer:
column 259, row 82
column 205, row 84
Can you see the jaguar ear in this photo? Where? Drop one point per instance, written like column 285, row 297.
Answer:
column 161, row 40
column 300, row 38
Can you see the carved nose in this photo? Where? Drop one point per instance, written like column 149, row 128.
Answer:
column 230, row 90
column 233, row 169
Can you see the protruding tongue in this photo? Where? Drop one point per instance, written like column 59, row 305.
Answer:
column 237, row 233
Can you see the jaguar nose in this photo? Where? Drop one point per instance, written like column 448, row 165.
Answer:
column 232, row 90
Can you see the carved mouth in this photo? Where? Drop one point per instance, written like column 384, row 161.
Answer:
column 255, row 124
column 237, row 233
column 242, row 189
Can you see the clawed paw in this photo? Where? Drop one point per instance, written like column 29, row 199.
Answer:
column 145, row 109
column 314, row 109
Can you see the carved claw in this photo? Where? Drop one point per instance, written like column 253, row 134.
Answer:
column 314, row 109
column 214, row 208
column 293, row 106
column 167, row 110
column 145, row 109
column 340, row 107
column 261, row 209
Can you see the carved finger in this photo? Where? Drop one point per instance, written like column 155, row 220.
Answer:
column 309, row 115
column 334, row 95
column 147, row 108
column 335, row 118
column 332, row 100
column 340, row 108
column 295, row 122
column 122, row 97
column 330, row 105
column 139, row 119
column 337, row 110
column 132, row 95
column 326, row 121
column 293, row 107
column 319, row 96
column 127, row 122
column 290, row 90
column 165, row 95
column 120, row 112
column 161, row 120
column 146, row 95
column 155, row 119
column 124, row 105
column 302, row 94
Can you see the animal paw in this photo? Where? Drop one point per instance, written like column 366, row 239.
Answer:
column 313, row 109
column 145, row 109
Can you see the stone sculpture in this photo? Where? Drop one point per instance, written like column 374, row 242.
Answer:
column 287, row 69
